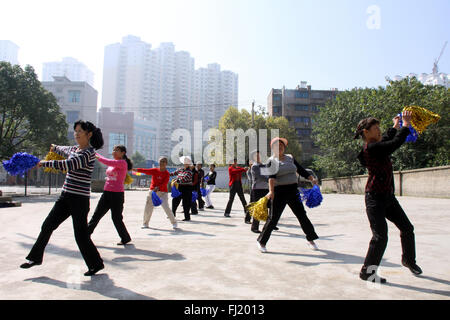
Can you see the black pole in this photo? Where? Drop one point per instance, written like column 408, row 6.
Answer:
column 49, row 183
column 26, row 183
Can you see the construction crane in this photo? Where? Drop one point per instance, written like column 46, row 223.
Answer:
column 435, row 65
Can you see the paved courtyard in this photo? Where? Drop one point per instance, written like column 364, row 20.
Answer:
column 213, row 257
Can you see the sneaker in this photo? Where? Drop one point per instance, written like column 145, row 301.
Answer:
column 175, row 225
column 186, row 220
column 256, row 231
column 145, row 226
column 376, row 279
column 261, row 248
column 201, row 209
column 414, row 268
column 227, row 215
column 313, row 246
column 209, row 207
column 30, row 264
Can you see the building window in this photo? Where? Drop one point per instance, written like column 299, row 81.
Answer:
column 304, row 132
column 72, row 116
column 276, row 109
column 301, row 94
column 74, row 96
column 305, row 120
column 301, row 108
column 276, row 98
column 315, row 108
column 115, row 139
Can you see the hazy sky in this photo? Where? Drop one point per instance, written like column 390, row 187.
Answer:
column 269, row 43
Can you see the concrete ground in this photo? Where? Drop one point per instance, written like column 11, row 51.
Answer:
column 213, row 257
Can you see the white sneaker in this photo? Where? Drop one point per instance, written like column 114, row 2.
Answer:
column 145, row 226
column 313, row 246
column 175, row 225
column 261, row 248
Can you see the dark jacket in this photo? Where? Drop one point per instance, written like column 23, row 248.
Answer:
column 376, row 158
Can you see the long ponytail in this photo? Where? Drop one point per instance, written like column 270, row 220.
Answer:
column 122, row 148
column 96, row 140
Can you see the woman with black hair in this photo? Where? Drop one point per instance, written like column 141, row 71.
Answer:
column 113, row 195
column 74, row 198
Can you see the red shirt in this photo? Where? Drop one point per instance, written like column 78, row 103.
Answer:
column 235, row 174
column 160, row 178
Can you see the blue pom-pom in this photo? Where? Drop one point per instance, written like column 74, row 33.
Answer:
column 20, row 163
column 206, row 178
column 155, row 199
column 204, row 192
column 175, row 192
column 194, row 196
column 413, row 135
column 313, row 197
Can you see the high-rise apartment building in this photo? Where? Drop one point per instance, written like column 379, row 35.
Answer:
column 162, row 85
column 9, row 51
column 68, row 67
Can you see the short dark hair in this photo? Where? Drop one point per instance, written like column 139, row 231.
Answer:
column 365, row 123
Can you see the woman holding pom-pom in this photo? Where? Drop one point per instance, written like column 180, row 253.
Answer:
column 282, row 171
column 381, row 203
column 74, row 199
column 160, row 179
column 113, row 195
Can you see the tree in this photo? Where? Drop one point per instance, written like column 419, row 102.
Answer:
column 30, row 118
column 235, row 119
column 138, row 160
column 336, row 123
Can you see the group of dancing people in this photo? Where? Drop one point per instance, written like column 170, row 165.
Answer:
column 279, row 186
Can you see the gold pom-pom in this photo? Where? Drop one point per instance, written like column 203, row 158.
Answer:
column 421, row 118
column 258, row 209
column 174, row 183
column 128, row 179
column 53, row 156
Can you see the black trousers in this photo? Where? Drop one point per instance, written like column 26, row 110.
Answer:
column 186, row 197
column 287, row 195
column 379, row 208
column 255, row 195
column 111, row 201
column 68, row 205
column 236, row 187
column 201, row 202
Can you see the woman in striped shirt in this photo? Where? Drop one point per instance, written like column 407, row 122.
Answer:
column 184, row 179
column 74, row 199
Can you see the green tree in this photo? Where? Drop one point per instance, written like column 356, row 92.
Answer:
column 235, row 119
column 138, row 160
column 30, row 118
column 336, row 123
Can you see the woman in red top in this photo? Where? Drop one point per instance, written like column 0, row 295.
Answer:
column 235, row 185
column 160, row 180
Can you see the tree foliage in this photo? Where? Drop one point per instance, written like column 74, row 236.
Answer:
column 336, row 123
column 30, row 118
column 235, row 119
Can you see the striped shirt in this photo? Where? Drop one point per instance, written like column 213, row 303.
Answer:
column 79, row 166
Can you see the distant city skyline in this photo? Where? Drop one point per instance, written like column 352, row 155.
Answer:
column 330, row 44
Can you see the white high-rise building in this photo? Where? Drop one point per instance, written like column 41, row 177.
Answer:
column 9, row 51
column 68, row 67
column 162, row 85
